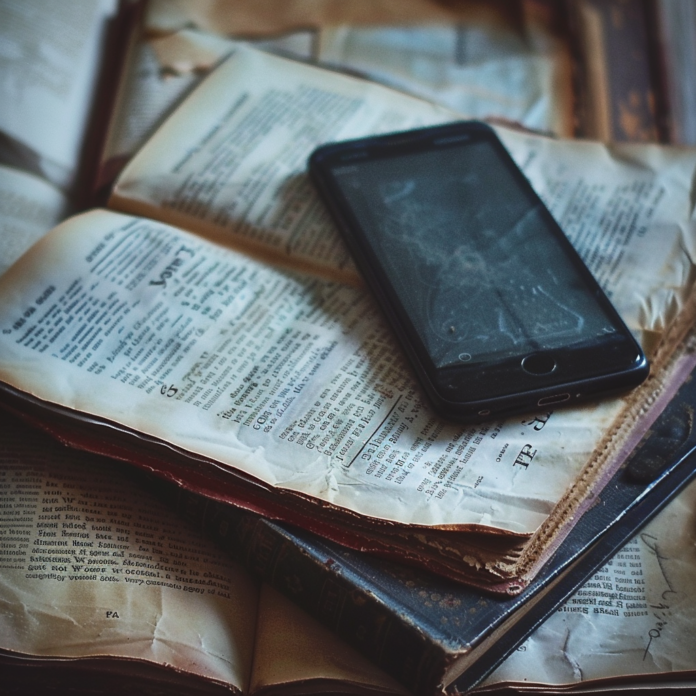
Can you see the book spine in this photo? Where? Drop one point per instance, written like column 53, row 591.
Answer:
column 615, row 71
column 673, row 25
column 312, row 575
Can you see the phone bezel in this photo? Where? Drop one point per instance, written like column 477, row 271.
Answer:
column 479, row 391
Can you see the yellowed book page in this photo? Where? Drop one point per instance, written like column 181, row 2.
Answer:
column 29, row 207
column 635, row 617
column 160, row 72
column 293, row 648
column 49, row 62
column 231, row 161
column 240, row 176
column 293, row 380
column 90, row 565
column 480, row 70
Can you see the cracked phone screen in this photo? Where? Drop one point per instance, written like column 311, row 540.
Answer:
column 471, row 255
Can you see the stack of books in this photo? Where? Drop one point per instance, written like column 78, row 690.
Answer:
column 207, row 330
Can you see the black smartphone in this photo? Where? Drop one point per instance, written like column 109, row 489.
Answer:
column 492, row 304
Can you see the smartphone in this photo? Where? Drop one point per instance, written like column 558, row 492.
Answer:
column 492, row 304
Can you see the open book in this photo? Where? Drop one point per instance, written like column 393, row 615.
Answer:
column 103, row 587
column 243, row 359
column 101, row 581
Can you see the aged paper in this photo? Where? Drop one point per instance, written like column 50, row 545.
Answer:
column 239, row 172
column 91, row 566
column 112, row 572
column 48, row 67
column 291, row 379
column 29, row 207
column 634, row 618
column 160, row 72
column 317, row 400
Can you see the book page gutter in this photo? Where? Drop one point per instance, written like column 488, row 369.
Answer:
column 292, row 647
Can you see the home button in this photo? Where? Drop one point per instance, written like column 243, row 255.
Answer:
column 539, row 364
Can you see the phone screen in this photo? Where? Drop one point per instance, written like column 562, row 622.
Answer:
column 489, row 299
column 471, row 254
